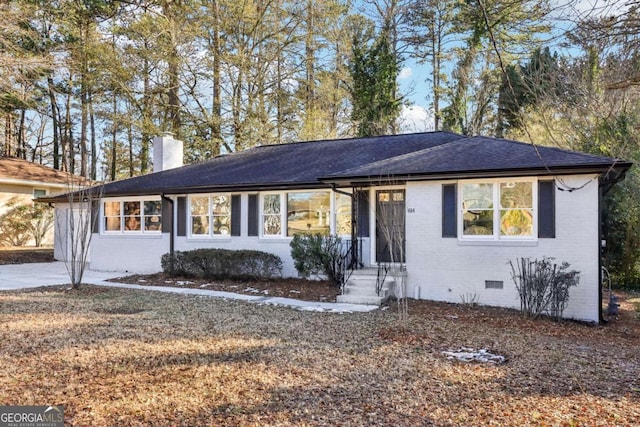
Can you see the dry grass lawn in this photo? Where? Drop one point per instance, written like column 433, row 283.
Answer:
column 122, row 357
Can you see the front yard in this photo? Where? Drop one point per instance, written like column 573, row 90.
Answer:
column 122, row 357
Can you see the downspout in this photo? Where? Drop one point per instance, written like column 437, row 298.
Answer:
column 335, row 188
column 604, row 185
column 171, row 231
column 600, row 252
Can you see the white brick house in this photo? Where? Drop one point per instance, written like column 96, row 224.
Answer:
column 463, row 206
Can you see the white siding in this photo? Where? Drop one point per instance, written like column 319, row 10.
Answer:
column 447, row 269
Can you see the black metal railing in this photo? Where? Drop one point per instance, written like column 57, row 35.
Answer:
column 383, row 270
column 349, row 260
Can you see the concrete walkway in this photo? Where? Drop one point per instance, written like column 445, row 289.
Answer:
column 22, row 276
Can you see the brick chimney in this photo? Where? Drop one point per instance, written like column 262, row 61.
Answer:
column 167, row 152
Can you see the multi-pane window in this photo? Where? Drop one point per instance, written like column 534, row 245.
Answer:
column 306, row 212
column 516, row 209
column 343, row 214
column 210, row 215
column 477, row 209
column 498, row 209
column 200, row 215
column 112, row 216
column 132, row 215
column 271, row 215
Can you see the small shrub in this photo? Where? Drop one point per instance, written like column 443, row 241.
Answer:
column 222, row 264
column 543, row 286
column 470, row 300
column 306, row 251
column 319, row 253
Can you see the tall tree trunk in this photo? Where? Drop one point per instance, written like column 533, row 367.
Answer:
column 216, row 119
column 37, row 154
column 8, row 134
column 174, row 98
column 236, row 109
column 173, row 69
column 130, row 138
column 310, row 64
column 436, row 49
column 84, row 119
column 22, row 137
column 146, row 122
column 94, row 149
column 114, row 140
column 55, row 123
column 279, row 115
column 69, row 150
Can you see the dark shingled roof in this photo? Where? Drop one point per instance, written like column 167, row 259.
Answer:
column 277, row 166
column 315, row 164
column 482, row 156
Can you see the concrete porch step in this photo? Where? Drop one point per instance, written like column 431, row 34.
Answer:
column 360, row 299
column 367, row 288
column 361, row 288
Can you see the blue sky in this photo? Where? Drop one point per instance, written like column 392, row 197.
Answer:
column 416, row 117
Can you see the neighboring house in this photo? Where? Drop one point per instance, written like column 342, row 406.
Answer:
column 461, row 208
column 21, row 181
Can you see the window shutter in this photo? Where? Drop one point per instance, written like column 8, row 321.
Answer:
column 363, row 213
column 546, row 209
column 95, row 216
column 182, row 216
column 449, row 211
column 167, row 215
column 253, row 215
column 235, row 215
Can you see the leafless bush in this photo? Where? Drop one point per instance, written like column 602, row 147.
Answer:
column 543, row 286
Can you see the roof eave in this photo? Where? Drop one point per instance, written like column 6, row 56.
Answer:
column 201, row 189
column 488, row 173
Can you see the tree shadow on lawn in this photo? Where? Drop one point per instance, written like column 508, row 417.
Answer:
column 355, row 366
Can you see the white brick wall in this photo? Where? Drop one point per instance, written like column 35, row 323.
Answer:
column 131, row 254
column 446, row 269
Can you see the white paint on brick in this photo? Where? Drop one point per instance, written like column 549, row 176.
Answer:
column 131, row 254
column 446, row 269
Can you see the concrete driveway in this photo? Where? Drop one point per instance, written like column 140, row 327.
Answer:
column 20, row 276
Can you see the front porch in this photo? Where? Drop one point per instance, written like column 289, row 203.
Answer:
column 371, row 285
column 374, row 257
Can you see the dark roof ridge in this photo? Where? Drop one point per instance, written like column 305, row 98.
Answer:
column 351, row 138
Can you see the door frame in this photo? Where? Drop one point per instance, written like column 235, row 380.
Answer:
column 373, row 212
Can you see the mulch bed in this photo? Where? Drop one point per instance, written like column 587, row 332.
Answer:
column 25, row 255
column 302, row 289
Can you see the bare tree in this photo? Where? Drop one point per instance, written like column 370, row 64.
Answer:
column 74, row 227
